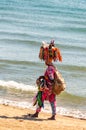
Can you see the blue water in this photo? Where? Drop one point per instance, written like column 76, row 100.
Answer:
column 23, row 26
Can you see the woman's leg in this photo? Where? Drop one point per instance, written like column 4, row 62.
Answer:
column 53, row 107
column 52, row 100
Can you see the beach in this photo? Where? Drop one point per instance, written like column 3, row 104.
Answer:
column 24, row 25
column 14, row 118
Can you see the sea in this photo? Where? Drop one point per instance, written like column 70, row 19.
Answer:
column 24, row 24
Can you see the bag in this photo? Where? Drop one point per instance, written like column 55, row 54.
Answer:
column 59, row 83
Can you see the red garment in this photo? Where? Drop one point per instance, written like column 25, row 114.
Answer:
column 47, row 94
column 49, row 77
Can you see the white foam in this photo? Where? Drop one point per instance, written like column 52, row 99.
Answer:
column 13, row 84
column 71, row 112
column 60, row 110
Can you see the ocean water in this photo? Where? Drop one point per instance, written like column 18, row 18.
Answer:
column 24, row 25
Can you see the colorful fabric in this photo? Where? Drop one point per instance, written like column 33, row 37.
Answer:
column 39, row 99
column 49, row 77
column 49, row 52
column 48, row 94
column 52, row 103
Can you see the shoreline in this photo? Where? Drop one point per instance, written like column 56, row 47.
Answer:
column 71, row 112
column 12, row 118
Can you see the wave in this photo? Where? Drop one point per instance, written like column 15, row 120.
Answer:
column 77, row 47
column 73, row 29
column 18, row 62
column 73, row 68
column 20, row 39
column 38, row 64
column 68, row 104
column 62, row 67
column 16, row 86
column 24, row 87
column 17, row 36
column 71, row 97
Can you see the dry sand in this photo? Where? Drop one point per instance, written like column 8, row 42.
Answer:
column 14, row 118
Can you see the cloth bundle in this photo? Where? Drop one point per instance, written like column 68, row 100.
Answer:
column 48, row 52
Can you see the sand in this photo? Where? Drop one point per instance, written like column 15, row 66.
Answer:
column 14, row 118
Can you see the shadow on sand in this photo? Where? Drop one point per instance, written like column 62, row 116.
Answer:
column 23, row 117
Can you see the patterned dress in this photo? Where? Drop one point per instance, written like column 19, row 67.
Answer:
column 48, row 94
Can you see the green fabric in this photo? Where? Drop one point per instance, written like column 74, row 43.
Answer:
column 39, row 98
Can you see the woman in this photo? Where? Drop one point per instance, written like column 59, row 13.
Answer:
column 48, row 94
column 48, row 53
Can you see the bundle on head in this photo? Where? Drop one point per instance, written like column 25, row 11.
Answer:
column 48, row 52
